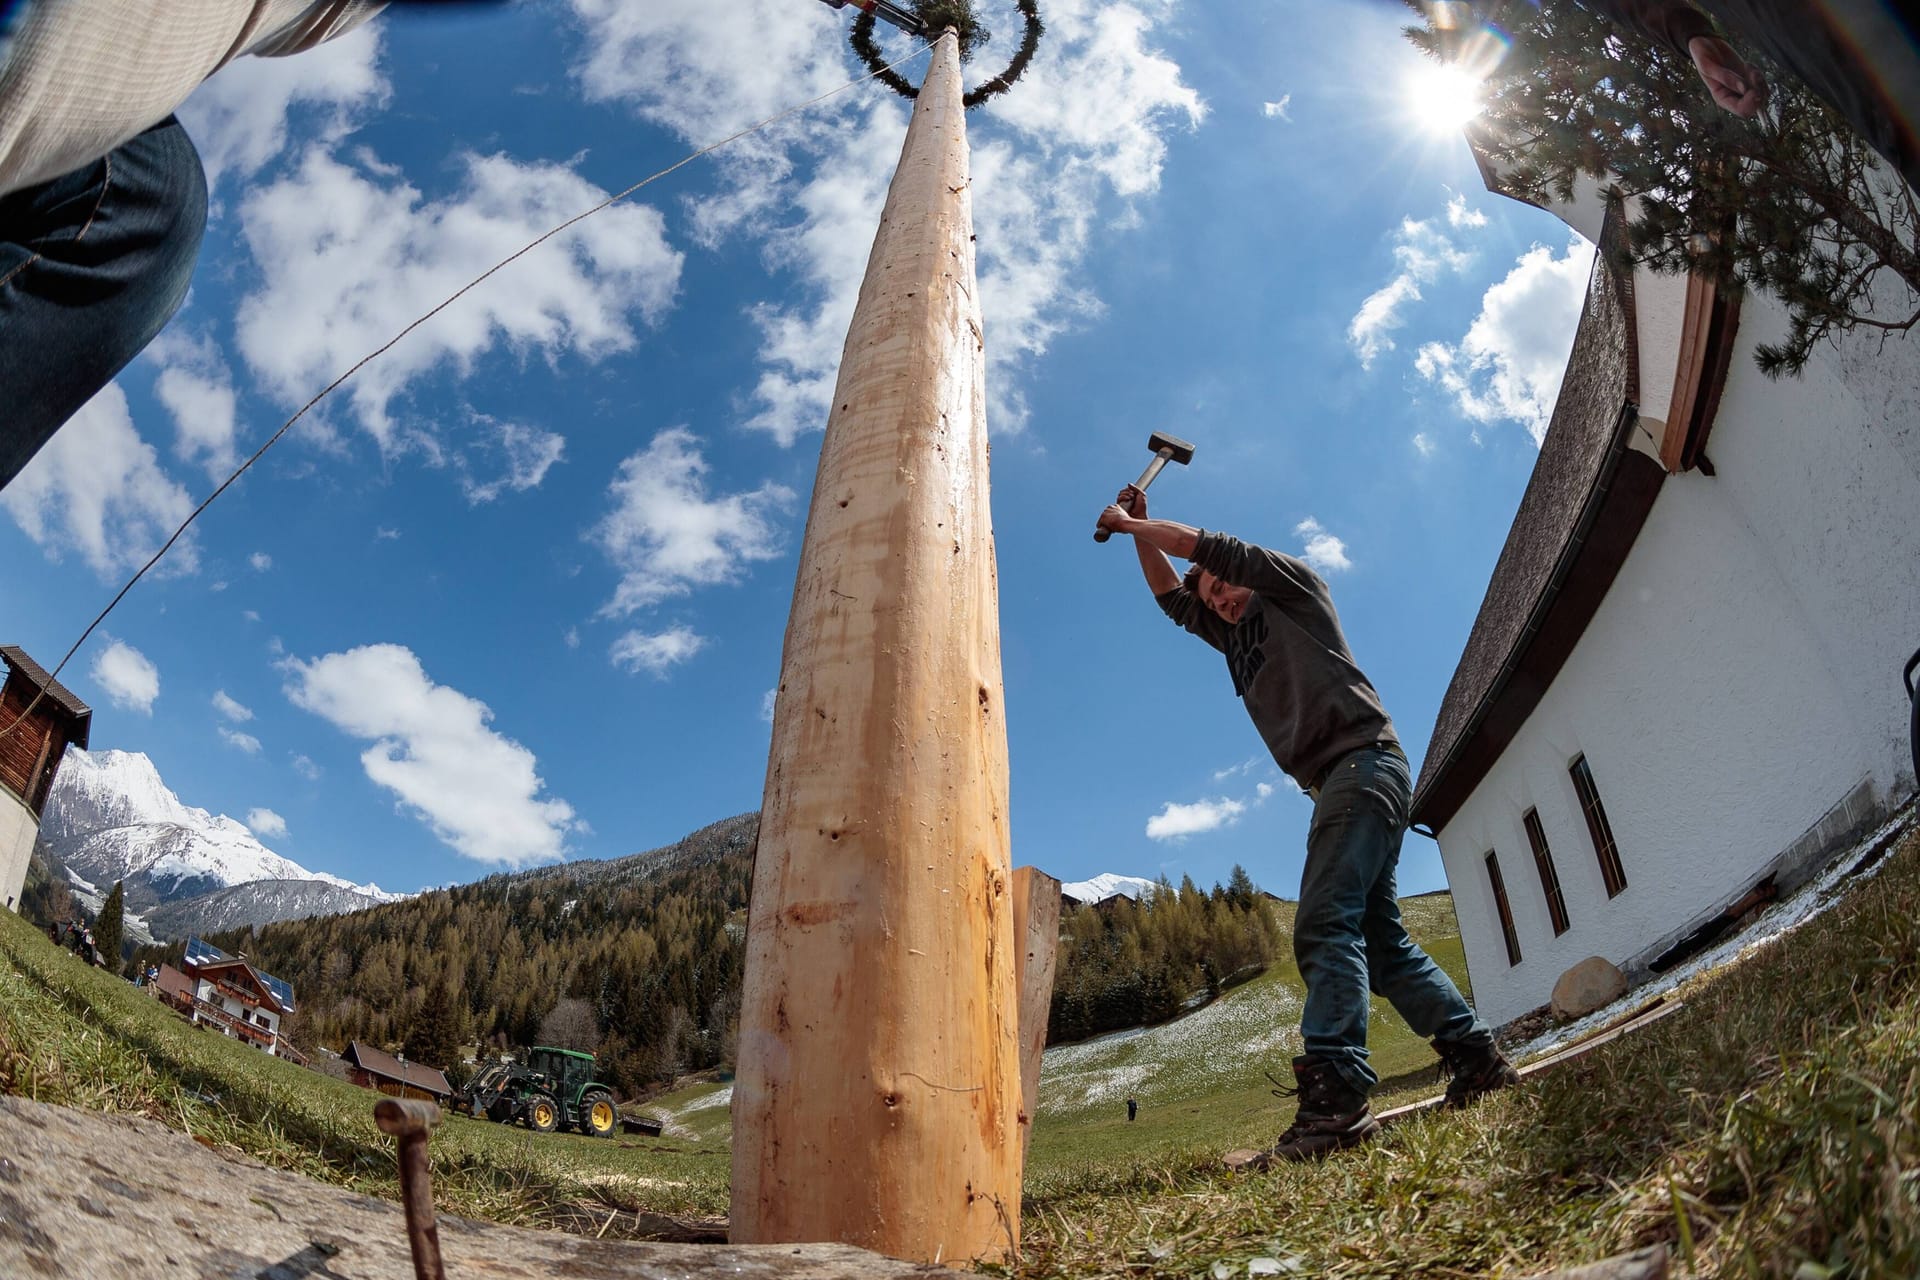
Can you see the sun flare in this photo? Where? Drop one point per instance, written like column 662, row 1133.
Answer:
column 1444, row 98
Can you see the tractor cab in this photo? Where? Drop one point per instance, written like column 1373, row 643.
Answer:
column 567, row 1070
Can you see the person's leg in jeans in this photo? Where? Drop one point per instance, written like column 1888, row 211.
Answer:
column 92, row 265
column 1355, row 836
column 1419, row 990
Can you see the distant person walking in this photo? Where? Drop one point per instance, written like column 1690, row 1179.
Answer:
column 1272, row 617
column 1133, row 1109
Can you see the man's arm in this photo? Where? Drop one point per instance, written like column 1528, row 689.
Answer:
column 1734, row 83
column 1129, row 515
column 1130, row 510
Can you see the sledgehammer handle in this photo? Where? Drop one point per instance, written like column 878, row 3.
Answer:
column 1101, row 533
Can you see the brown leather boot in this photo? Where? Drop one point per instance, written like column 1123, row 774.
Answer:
column 1333, row 1115
column 1477, row 1070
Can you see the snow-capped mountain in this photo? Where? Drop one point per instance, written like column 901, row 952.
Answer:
column 1107, row 885
column 110, row 817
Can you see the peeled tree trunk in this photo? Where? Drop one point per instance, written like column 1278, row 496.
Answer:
column 878, row 1093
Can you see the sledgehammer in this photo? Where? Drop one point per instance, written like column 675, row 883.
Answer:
column 1165, row 449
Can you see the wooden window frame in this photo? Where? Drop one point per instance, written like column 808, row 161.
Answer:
column 1504, row 907
column 1605, row 847
column 1549, row 874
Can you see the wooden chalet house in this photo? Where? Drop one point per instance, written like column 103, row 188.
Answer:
column 30, row 755
column 226, row 993
column 372, row 1068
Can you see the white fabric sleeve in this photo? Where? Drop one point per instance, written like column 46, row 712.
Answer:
column 84, row 76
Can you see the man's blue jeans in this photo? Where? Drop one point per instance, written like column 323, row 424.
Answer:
column 92, row 265
column 1348, row 937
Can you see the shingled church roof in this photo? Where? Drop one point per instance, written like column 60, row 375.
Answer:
column 1544, row 555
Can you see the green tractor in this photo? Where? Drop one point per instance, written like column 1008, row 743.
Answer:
column 554, row 1089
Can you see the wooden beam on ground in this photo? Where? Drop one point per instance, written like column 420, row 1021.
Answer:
column 878, row 1093
column 191, row 1211
column 1636, row 1021
column 1036, row 932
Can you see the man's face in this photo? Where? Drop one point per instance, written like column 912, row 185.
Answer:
column 1229, row 602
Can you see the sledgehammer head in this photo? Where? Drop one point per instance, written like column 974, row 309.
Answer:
column 1175, row 449
column 1165, row 449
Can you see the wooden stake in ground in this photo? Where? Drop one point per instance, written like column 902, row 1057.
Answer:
column 878, row 1090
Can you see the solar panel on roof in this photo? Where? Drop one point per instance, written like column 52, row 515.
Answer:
column 200, row 952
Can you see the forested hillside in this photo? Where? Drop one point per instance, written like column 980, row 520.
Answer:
column 639, row 960
column 1124, row 964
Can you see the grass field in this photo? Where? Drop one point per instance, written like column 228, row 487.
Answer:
column 78, row 1036
column 1771, row 1128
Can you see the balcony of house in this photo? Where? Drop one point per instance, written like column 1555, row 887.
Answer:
column 212, row 1014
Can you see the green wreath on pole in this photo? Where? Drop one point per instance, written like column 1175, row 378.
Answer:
column 937, row 15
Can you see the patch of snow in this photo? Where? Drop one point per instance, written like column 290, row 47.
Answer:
column 1778, row 920
column 1175, row 1059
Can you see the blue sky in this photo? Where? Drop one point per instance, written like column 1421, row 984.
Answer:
column 517, row 592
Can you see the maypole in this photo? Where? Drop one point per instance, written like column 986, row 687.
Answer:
column 877, row 1100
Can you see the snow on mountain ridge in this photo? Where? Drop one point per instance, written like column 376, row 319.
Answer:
column 1107, row 885
column 111, row 817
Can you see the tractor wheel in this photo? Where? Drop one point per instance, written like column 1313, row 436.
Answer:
column 543, row 1113
column 598, row 1118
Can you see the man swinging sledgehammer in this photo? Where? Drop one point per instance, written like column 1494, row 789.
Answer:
column 1273, row 619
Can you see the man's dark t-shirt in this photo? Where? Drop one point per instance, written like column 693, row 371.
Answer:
column 1288, row 658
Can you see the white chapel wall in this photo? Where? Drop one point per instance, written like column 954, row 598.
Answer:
column 1740, row 678
column 18, row 830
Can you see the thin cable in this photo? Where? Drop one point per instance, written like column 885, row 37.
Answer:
column 448, row 301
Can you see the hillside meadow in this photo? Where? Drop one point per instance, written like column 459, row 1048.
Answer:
column 1769, row 1128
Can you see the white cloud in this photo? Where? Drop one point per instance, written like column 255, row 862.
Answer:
column 520, row 455
column 572, row 637
column 1424, row 444
column 1326, row 553
column 97, row 488
column 658, row 653
column 1175, row 821
column 131, row 682
column 238, row 118
column 1422, row 254
column 240, row 741
column 251, row 615
column 229, row 708
column 260, row 561
column 766, row 704
column 1088, row 121
column 195, row 385
column 666, row 536
column 1509, row 364
column 265, row 822
column 1278, row 110
column 1239, row 770
column 306, row 768
column 383, row 534
column 349, row 257
column 1458, row 215
column 478, row 791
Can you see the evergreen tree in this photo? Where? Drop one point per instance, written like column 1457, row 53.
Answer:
column 107, row 929
column 1240, row 890
column 432, row 1037
column 1791, row 202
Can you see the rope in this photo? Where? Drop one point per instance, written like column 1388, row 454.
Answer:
column 446, row 302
